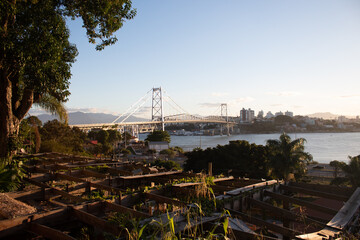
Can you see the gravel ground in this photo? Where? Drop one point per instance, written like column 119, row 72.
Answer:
column 11, row 208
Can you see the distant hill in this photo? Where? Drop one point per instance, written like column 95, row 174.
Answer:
column 324, row 115
column 86, row 118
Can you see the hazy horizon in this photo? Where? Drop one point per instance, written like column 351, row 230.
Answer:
column 301, row 56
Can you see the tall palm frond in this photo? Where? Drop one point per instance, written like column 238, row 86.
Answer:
column 54, row 106
column 288, row 156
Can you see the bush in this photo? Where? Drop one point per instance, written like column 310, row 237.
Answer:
column 170, row 153
column 11, row 174
column 167, row 164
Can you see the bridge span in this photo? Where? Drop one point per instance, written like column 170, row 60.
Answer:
column 158, row 120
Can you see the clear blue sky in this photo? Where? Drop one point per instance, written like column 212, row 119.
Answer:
column 271, row 55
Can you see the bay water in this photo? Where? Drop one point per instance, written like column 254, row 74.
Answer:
column 324, row 147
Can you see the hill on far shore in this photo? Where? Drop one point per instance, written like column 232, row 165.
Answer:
column 87, row 118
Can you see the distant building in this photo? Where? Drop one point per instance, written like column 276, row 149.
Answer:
column 269, row 115
column 247, row 115
column 289, row 114
column 260, row 114
column 342, row 119
column 158, row 146
column 310, row 121
column 279, row 113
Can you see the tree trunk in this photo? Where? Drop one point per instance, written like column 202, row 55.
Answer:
column 8, row 125
column 12, row 111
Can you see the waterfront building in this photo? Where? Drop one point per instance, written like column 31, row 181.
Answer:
column 269, row 115
column 289, row 114
column 247, row 115
column 279, row 113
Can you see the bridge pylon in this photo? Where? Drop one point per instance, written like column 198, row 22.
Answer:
column 157, row 111
column 224, row 114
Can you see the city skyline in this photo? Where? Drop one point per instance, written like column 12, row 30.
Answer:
column 264, row 55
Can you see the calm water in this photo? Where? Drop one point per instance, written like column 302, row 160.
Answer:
column 324, row 147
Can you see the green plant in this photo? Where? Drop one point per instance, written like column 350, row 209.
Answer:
column 11, row 174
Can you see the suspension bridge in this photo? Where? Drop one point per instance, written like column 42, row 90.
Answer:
column 158, row 118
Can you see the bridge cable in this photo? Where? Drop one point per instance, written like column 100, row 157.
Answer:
column 135, row 110
column 131, row 107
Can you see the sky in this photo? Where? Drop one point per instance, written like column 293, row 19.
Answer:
column 270, row 55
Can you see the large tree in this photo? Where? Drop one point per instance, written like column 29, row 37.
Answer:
column 352, row 170
column 36, row 55
column 158, row 136
column 288, row 156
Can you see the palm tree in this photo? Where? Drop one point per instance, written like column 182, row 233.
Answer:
column 352, row 170
column 288, row 156
column 54, row 106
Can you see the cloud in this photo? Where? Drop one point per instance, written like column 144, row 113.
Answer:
column 209, row 105
column 284, row 94
column 92, row 110
column 297, row 106
column 143, row 111
column 243, row 99
column 276, row 105
column 37, row 111
column 219, row 94
column 350, row 96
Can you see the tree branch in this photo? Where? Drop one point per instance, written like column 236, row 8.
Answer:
column 25, row 103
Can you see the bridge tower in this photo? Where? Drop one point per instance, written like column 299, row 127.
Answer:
column 224, row 114
column 157, row 111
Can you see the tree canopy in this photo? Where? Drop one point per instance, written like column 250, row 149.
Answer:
column 241, row 157
column 288, row 156
column 36, row 55
column 352, row 170
column 158, row 136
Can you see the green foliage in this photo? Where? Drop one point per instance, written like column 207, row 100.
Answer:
column 178, row 149
column 167, row 164
column 169, row 152
column 125, row 151
column 36, row 55
column 288, row 156
column 240, row 156
column 11, row 174
column 337, row 165
column 352, row 171
column 283, row 119
column 59, row 137
column 158, row 136
column 340, row 181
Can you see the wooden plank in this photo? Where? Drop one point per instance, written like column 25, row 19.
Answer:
column 11, row 226
column 251, row 187
column 347, row 212
column 104, row 187
column 69, row 178
column 162, row 199
column 249, row 236
column 36, row 183
column 259, row 222
column 118, row 171
column 122, row 209
column 218, row 180
column 345, row 191
column 96, row 222
column 301, row 202
column 89, row 173
column 326, row 233
column 55, row 190
column 48, row 232
column 67, row 195
column 150, row 175
column 92, row 184
column 314, row 193
column 284, row 213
